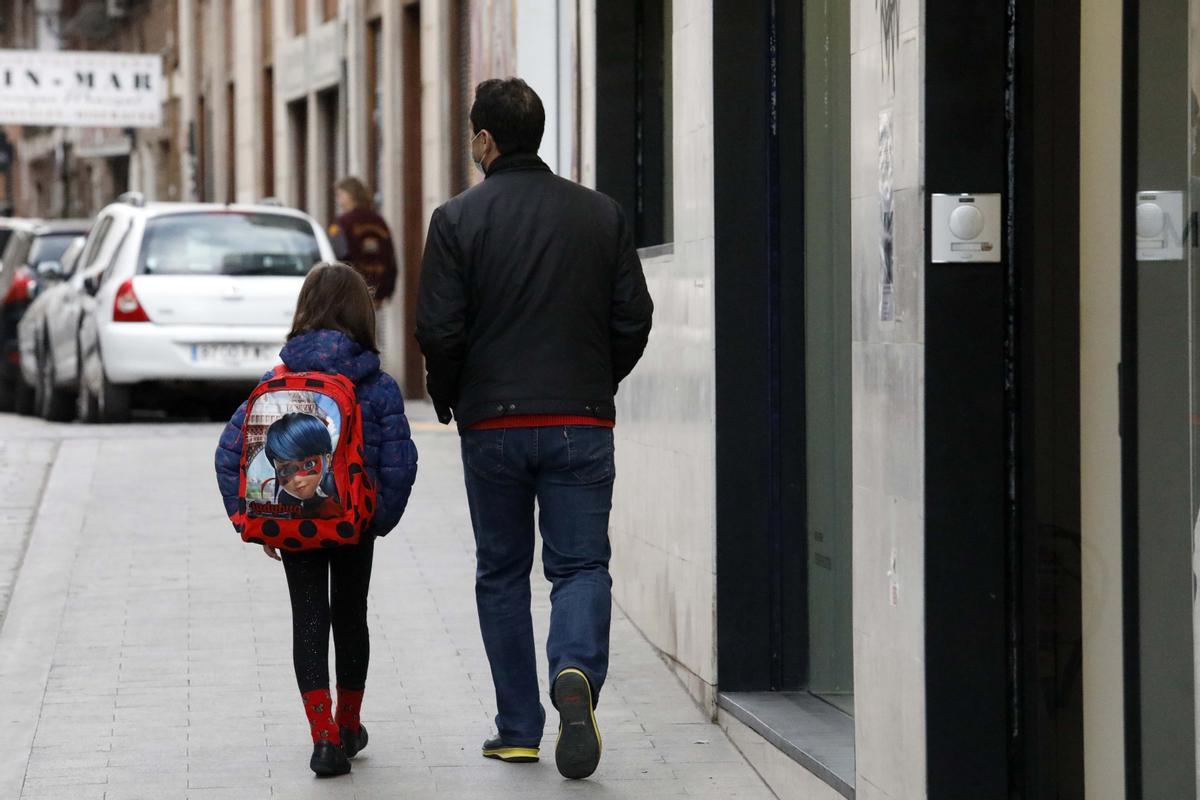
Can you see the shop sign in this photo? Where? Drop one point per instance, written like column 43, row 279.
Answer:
column 62, row 88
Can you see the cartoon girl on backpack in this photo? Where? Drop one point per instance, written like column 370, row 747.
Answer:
column 333, row 332
column 300, row 450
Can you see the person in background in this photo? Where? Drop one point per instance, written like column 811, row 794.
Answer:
column 362, row 239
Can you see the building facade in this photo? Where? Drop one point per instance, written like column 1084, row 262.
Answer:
column 907, row 475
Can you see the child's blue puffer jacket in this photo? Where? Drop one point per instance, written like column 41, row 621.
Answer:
column 391, row 456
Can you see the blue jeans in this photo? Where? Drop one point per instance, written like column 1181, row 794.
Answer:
column 569, row 472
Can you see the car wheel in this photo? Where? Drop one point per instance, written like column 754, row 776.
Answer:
column 54, row 404
column 23, row 397
column 9, row 375
column 113, row 401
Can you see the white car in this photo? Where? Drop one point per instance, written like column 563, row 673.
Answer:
column 198, row 294
column 54, row 288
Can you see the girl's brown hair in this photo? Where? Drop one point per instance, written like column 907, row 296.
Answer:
column 334, row 296
column 357, row 191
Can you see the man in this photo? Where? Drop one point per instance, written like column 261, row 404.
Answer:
column 361, row 238
column 532, row 309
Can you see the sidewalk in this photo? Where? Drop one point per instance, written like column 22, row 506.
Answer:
column 146, row 652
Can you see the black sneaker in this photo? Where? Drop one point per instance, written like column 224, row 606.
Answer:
column 497, row 749
column 353, row 741
column 578, row 751
column 329, row 760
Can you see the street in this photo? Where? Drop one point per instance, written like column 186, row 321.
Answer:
column 146, row 652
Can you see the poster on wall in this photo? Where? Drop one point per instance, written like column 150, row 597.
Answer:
column 62, row 88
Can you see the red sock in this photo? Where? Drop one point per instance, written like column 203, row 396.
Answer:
column 348, row 705
column 319, row 707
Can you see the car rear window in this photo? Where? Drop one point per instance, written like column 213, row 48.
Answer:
column 49, row 247
column 228, row 243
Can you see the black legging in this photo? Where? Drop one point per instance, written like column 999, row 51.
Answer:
column 312, row 595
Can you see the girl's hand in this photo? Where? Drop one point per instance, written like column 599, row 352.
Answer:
column 272, row 552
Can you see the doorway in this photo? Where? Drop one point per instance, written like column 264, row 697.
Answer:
column 412, row 210
column 328, row 132
column 297, row 112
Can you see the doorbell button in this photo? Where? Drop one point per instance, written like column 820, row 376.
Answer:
column 966, row 222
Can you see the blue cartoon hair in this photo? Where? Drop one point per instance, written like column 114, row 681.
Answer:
column 295, row 436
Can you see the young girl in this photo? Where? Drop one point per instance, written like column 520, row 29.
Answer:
column 333, row 332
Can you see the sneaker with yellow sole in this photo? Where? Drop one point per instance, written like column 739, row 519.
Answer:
column 577, row 753
column 497, row 749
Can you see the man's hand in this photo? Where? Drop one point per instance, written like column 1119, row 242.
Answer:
column 444, row 414
column 272, row 552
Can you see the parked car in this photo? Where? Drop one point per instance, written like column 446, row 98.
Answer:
column 33, row 247
column 52, row 294
column 7, row 226
column 198, row 295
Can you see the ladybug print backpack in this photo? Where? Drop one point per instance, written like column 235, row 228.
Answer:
column 303, row 484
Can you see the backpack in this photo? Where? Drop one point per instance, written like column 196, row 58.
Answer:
column 303, row 484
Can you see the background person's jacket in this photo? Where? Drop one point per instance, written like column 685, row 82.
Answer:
column 362, row 239
column 532, row 298
column 388, row 449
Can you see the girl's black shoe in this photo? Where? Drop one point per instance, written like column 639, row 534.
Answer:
column 329, row 760
column 353, row 741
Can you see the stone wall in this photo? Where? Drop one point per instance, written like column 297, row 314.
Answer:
column 888, row 398
column 664, row 520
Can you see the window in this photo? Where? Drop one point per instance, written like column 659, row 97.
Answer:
column 230, row 144
column 228, row 244
column 49, row 248
column 329, row 140
column 267, row 31
column 268, row 130
column 298, row 132
column 227, row 10
column 781, row 182
column 633, row 107
column 462, row 94
column 91, row 251
column 299, row 17
column 14, row 252
column 375, row 106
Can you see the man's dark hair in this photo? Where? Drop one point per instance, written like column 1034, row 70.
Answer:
column 512, row 112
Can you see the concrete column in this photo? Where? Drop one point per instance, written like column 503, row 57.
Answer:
column 356, row 88
column 248, row 100
column 391, row 145
column 188, row 93
column 437, row 73
column 216, row 74
column 587, row 92
column 537, row 37
column 393, row 322
column 284, row 179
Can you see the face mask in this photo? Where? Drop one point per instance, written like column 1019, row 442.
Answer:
column 478, row 162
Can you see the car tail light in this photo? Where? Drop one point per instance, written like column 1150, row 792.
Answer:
column 126, row 307
column 21, row 286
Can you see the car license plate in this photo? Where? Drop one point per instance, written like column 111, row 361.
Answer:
column 235, row 353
